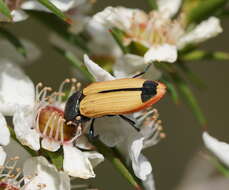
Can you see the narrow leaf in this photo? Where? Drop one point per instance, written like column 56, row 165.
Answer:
column 14, row 41
column 171, row 89
column 219, row 166
column 55, row 10
column 192, row 76
column 190, row 99
column 75, row 62
column 56, row 158
column 109, row 154
column 118, row 36
column 152, row 4
column 5, row 10
column 137, row 48
column 204, row 9
column 184, row 91
column 60, row 28
column 197, row 55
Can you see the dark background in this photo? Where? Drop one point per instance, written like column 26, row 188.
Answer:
column 170, row 157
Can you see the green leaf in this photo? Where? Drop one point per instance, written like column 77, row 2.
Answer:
column 75, row 62
column 61, row 28
column 152, row 4
column 219, row 166
column 197, row 55
column 114, row 158
column 204, row 9
column 137, row 48
column 192, row 76
column 55, row 10
column 171, row 89
column 118, row 36
column 5, row 10
column 14, row 41
column 190, row 99
column 56, row 158
column 184, row 91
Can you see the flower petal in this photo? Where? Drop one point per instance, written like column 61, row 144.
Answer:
column 141, row 166
column 50, row 144
column 16, row 89
column 18, row 15
column 168, row 8
column 119, row 17
column 77, row 164
column 2, row 156
column 102, row 40
column 46, row 175
column 163, row 52
column 94, row 157
column 149, row 183
column 23, row 120
column 218, row 148
column 63, row 5
column 128, row 65
column 206, row 29
column 83, row 143
column 112, row 130
column 4, row 131
column 98, row 73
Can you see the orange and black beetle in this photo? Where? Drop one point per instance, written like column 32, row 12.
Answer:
column 110, row 98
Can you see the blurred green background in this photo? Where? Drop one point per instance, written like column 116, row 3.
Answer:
column 170, row 157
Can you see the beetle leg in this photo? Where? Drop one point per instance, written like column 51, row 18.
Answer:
column 91, row 130
column 131, row 122
column 142, row 73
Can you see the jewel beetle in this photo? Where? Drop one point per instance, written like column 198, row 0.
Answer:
column 112, row 98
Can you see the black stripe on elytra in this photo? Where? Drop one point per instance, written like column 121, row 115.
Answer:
column 149, row 89
column 122, row 89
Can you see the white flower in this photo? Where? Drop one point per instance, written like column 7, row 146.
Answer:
column 201, row 174
column 116, row 132
column 37, row 174
column 63, row 5
column 37, row 115
column 218, row 148
column 2, row 156
column 16, row 89
column 4, row 132
column 16, row 14
column 156, row 30
column 101, row 44
column 45, row 176
column 44, row 120
column 129, row 65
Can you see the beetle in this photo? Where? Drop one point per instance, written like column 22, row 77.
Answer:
column 112, row 98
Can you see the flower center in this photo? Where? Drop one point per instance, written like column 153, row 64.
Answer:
column 5, row 186
column 51, row 124
column 154, row 30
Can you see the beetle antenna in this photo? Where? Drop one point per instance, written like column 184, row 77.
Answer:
column 142, row 73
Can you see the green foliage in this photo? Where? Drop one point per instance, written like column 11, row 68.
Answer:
column 5, row 10
column 152, row 4
column 55, row 10
column 203, row 9
column 14, row 41
column 75, row 62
